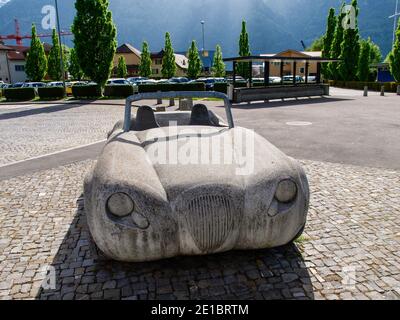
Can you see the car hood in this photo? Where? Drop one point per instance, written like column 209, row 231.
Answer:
column 166, row 162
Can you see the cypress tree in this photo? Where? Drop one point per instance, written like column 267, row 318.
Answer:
column 375, row 52
column 364, row 61
column 169, row 65
column 336, row 48
column 350, row 50
column 95, row 35
column 394, row 56
column 74, row 68
column 145, row 61
column 195, row 64
column 327, row 41
column 54, row 64
column 36, row 61
column 218, row 68
column 244, row 50
column 122, row 70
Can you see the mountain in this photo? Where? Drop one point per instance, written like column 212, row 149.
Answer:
column 273, row 25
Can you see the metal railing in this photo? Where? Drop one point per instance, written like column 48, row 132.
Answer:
column 173, row 95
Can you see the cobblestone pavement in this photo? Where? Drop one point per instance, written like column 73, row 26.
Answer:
column 350, row 249
column 29, row 131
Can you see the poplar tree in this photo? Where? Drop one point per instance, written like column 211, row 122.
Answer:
column 169, row 65
column 54, row 62
column 364, row 61
column 244, row 51
column 195, row 64
column 350, row 49
column 74, row 68
column 36, row 61
column 95, row 39
column 122, row 70
column 218, row 68
column 145, row 61
column 336, row 48
column 394, row 56
column 327, row 41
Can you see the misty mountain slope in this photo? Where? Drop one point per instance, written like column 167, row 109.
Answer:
column 273, row 25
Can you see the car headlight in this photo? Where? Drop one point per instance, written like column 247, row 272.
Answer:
column 120, row 205
column 286, row 191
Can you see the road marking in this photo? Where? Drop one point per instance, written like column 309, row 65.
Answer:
column 53, row 153
column 299, row 123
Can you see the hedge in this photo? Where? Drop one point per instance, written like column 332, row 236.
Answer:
column 120, row 91
column 167, row 87
column 51, row 92
column 358, row 85
column 221, row 87
column 20, row 94
column 88, row 91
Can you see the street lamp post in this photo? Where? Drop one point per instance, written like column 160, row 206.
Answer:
column 204, row 45
column 396, row 14
column 61, row 48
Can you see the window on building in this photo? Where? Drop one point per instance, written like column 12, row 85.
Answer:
column 155, row 71
column 20, row 68
column 301, row 70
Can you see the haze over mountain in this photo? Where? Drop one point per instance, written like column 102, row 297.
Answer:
column 273, row 25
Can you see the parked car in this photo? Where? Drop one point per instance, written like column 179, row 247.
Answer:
column 210, row 82
column 179, row 80
column 55, row 84
column 311, row 79
column 135, row 80
column 34, row 85
column 237, row 79
column 289, row 79
column 141, row 207
column 275, row 80
column 118, row 82
column 17, row 85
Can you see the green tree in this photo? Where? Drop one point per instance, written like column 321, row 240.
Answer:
column 169, row 65
column 327, row 42
column 350, row 53
column 145, row 61
column 95, row 35
column 74, row 68
column 375, row 52
column 54, row 62
column 364, row 61
column 317, row 44
column 218, row 67
column 195, row 64
column 394, row 56
column 122, row 70
column 336, row 48
column 36, row 61
column 244, row 51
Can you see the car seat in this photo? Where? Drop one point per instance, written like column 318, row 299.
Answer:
column 200, row 116
column 145, row 119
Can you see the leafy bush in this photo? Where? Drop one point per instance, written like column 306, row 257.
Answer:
column 359, row 85
column 51, row 93
column 88, row 91
column 221, row 87
column 167, row 87
column 120, row 91
column 20, row 94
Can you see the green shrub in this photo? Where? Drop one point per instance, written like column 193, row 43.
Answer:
column 221, row 87
column 88, row 91
column 120, row 91
column 54, row 93
column 358, row 85
column 167, row 87
column 20, row 94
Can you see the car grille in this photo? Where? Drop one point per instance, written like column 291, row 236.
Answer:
column 210, row 219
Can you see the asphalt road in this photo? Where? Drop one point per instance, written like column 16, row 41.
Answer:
column 343, row 128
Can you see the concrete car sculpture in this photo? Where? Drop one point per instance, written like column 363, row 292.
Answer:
column 139, row 209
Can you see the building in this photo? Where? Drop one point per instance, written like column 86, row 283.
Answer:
column 207, row 59
column 132, row 59
column 182, row 64
column 13, row 60
column 383, row 73
column 275, row 67
column 4, row 64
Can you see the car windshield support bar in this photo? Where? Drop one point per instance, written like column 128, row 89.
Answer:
column 173, row 95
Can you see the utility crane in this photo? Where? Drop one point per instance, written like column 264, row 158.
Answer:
column 18, row 37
